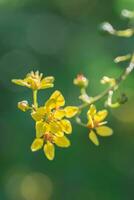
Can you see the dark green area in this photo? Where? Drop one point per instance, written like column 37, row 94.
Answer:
column 62, row 38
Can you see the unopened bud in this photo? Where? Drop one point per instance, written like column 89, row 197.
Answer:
column 108, row 80
column 106, row 27
column 122, row 58
column 23, row 105
column 127, row 14
column 81, row 81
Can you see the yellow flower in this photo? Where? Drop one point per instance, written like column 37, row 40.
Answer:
column 35, row 81
column 96, row 124
column 51, row 124
column 48, row 142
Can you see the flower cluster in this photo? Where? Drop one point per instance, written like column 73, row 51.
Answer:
column 95, row 119
column 97, row 125
column 51, row 125
column 51, row 121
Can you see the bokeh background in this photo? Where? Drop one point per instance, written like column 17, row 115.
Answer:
column 62, row 38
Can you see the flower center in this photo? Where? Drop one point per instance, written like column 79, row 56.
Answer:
column 48, row 137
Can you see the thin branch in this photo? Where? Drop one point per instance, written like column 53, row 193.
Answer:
column 35, row 103
column 119, row 80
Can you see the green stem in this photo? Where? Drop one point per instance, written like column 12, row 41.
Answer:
column 119, row 80
column 112, row 88
column 35, row 102
column 83, row 91
column 78, row 120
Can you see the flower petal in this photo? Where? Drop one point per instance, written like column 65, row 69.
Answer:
column 92, row 111
column 49, row 150
column 93, row 138
column 71, row 111
column 20, row 82
column 59, row 114
column 37, row 144
column 66, row 126
column 33, row 83
column 56, row 100
column 41, row 128
column 90, row 123
column 47, row 82
column 38, row 114
column 56, row 129
column 100, row 116
column 62, row 141
column 104, row 131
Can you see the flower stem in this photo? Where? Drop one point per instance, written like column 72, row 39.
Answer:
column 78, row 120
column 111, row 88
column 119, row 80
column 35, row 103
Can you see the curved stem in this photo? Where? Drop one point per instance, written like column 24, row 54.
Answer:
column 121, row 78
column 78, row 120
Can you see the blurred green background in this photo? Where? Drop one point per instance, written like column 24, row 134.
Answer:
column 61, row 38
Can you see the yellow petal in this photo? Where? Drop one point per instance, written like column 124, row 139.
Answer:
column 50, row 104
column 41, row 128
column 56, row 129
column 101, row 115
column 47, row 82
column 37, row 144
column 56, row 100
column 59, row 114
column 71, row 111
column 90, row 123
column 47, row 85
column 92, row 111
column 93, row 138
column 104, row 131
column 33, row 83
column 66, row 126
column 38, row 114
column 62, row 141
column 125, row 33
column 49, row 150
column 20, row 82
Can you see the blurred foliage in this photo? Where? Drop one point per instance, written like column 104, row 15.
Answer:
column 60, row 38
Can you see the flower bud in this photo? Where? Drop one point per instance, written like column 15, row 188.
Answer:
column 127, row 14
column 108, row 80
column 23, row 105
column 122, row 58
column 106, row 27
column 81, row 81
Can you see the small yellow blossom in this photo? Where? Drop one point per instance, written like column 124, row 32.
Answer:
column 35, row 81
column 51, row 124
column 48, row 143
column 96, row 124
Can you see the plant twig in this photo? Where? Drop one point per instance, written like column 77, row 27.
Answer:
column 118, row 81
column 35, row 103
